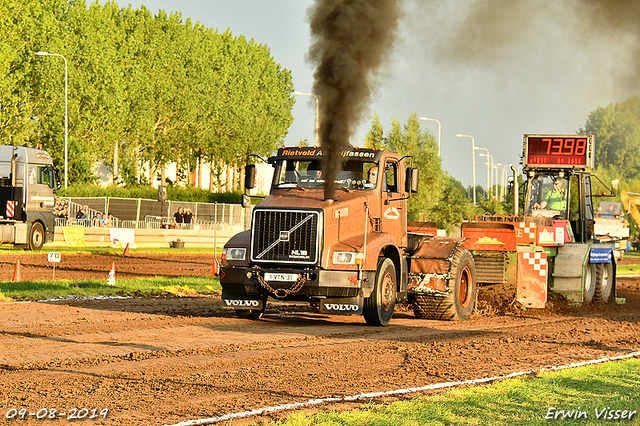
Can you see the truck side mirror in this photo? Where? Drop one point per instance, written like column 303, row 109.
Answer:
column 250, row 176
column 412, row 179
column 245, row 200
column 58, row 178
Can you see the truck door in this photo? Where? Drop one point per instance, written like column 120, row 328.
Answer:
column 41, row 183
column 581, row 208
column 394, row 215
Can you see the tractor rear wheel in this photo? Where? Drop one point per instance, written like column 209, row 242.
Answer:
column 590, row 282
column 604, row 283
column 460, row 301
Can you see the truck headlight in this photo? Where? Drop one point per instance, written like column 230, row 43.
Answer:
column 233, row 253
column 348, row 258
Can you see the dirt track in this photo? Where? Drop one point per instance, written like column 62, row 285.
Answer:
column 154, row 361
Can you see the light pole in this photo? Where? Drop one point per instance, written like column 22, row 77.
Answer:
column 492, row 166
column 505, row 171
column 439, row 129
column 473, row 156
column 317, row 114
column 66, row 120
column 496, row 184
column 487, row 164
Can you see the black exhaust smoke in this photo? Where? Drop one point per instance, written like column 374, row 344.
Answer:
column 352, row 38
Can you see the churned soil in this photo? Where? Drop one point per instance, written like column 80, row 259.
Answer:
column 36, row 266
column 166, row 360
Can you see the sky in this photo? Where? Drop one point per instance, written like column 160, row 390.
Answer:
column 491, row 69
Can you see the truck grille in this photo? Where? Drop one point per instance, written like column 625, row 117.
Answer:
column 287, row 236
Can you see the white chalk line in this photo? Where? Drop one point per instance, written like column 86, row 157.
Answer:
column 435, row 386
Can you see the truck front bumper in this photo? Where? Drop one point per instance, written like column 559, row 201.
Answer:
column 241, row 281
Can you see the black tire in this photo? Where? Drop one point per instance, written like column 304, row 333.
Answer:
column 378, row 307
column 36, row 237
column 460, row 301
column 315, row 306
column 252, row 314
column 590, row 282
column 604, row 283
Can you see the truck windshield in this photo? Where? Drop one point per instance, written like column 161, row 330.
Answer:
column 309, row 174
column 547, row 196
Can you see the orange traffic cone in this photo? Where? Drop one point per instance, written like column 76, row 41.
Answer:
column 215, row 267
column 111, row 278
column 126, row 250
column 16, row 272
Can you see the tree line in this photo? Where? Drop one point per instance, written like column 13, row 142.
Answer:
column 155, row 89
column 444, row 200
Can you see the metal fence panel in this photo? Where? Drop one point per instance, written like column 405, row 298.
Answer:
column 152, row 214
column 123, row 208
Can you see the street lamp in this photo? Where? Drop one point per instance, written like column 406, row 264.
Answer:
column 487, row 164
column 490, row 168
column 66, row 120
column 473, row 155
column 439, row 128
column 317, row 114
column 503, row 180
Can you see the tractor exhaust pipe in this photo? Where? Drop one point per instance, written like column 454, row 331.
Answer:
column 515, row 190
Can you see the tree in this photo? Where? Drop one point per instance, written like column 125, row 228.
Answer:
column 23, row 27
column 411, row 140
column 161, row 88
column 375, row 136
column 616, row 129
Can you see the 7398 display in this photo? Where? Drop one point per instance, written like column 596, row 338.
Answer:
column 558, row 151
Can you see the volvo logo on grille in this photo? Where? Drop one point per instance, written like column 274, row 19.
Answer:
column 284, row 235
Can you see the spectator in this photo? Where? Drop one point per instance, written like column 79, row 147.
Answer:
column 83, row 215
column 188, row 216
column 64, row 213
column 57, row 209
column 178, row 217
column 96, row 220
column 108, row 220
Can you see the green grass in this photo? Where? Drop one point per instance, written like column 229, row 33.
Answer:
column 519, row 401
column 627, row 269
column 633, row 255
column 39, row 290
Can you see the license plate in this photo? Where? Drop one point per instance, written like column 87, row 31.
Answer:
column 269, row 276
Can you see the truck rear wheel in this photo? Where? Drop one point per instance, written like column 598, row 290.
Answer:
column 604, row 282
column 459, row 303
column 36, row 237
column 378, row 307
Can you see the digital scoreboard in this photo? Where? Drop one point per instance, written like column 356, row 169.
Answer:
column 558, row 151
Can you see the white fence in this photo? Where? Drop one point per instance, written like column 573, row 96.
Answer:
column 140, row 213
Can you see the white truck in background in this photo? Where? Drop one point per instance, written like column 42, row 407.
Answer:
column 28, row 182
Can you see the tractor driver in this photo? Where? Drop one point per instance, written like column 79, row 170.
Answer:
column 555, row 199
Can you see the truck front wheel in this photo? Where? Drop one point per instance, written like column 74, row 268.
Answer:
column 36, row 237
column 378, row 307
column 252, row 314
